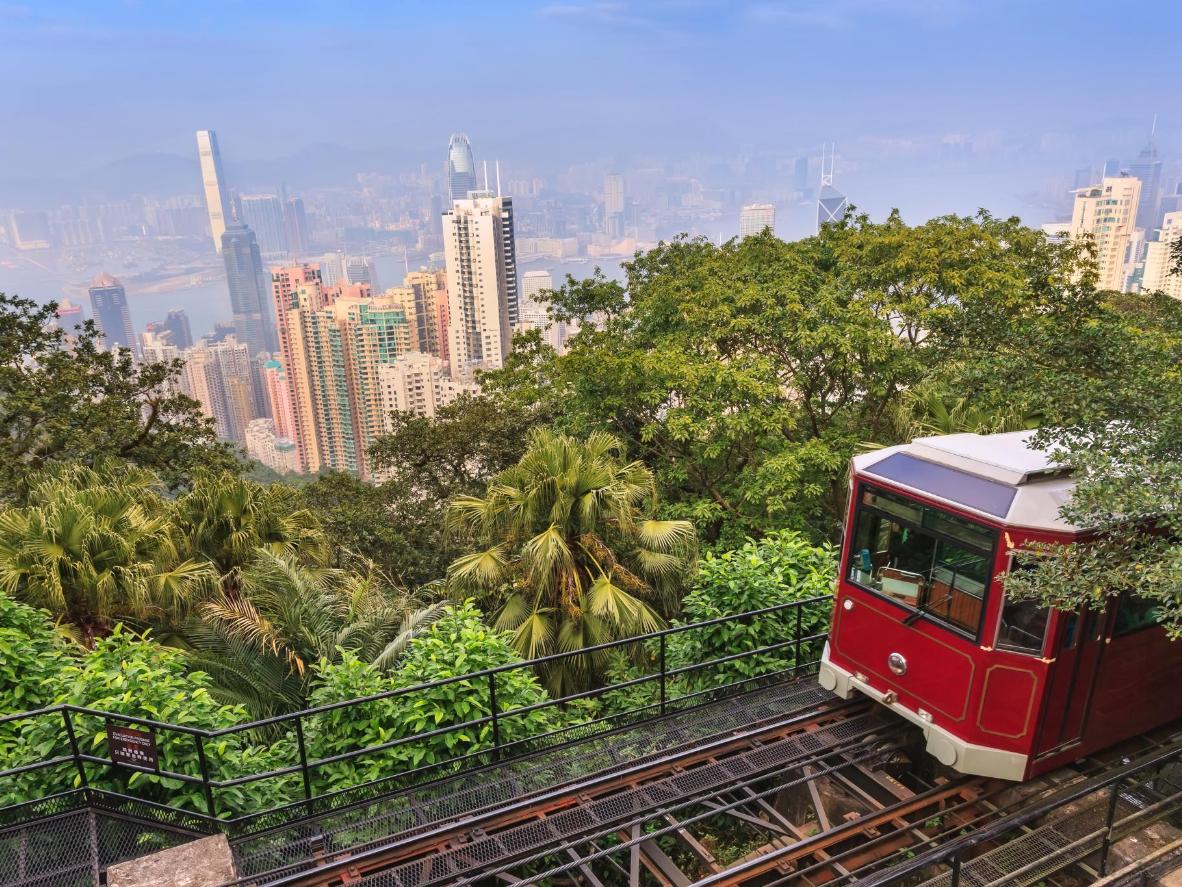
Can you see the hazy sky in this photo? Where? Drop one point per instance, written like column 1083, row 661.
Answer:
column 89, row 82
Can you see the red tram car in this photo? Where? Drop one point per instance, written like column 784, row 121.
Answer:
column 922, row 625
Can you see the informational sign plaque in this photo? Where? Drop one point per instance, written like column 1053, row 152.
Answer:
column 131, row 746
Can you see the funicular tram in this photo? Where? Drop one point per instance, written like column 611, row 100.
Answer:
column 922, row 624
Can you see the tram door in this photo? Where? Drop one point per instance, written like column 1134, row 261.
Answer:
column 1077, row 650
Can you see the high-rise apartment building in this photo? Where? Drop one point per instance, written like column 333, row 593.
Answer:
column 534, row 315
column 1108, row 213
column 613, row 205
column 754, row 217
column 271, row 449
column 334, row 342
column 278, row 399
column 1159, row 260
column 461, row 168
column 108, row 306
column 264, row 214
column 423, row 298
column 156, row 347
column 213, row 181
column 417, row 383
column 481, row 264
column 218, row 376
column 250, row 297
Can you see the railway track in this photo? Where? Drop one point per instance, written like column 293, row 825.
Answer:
column 827, row 793
column 453, row 849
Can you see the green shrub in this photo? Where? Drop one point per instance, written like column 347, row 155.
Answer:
column 780, row 568
column 458, row 643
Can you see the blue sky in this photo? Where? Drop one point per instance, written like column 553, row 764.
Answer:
column 87, row 83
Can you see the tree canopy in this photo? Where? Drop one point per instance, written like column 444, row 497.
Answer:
column 64, row 400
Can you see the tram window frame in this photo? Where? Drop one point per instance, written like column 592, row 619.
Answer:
column 916, row 508
column 1013, row 566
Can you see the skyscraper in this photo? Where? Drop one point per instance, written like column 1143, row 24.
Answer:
column 613, row 205
column 831, row 203
column 754, row 217
column 1147, row 168
column 359, row 269
column 214, row 183
column 177, row 323
column 1158, row 276
column 1108, row 212
column 296, row 222
column 482, row 282
column 461, row 168
column 108, row 306
column 263, row 213
column 249, row 293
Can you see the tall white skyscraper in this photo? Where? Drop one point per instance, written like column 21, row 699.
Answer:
column 754, row 217
column 613, row 205
column 461, row 168
column 1159, row 259
column 264, row 214
column 1108, row 212
column 482, row 281
column 831, row 203
column 214, row 183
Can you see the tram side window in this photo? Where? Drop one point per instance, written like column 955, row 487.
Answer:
column 922, row 558
column 1134, row 614
column 1023, row 627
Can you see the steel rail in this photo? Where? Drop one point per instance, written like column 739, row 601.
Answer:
column 714, row 810
column 649, row 769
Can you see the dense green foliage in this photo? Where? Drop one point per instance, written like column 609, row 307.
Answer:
column 126, row 674
column 779, row 568
column 96, row 546
column 568, row 550
column 457, row 644
column 64, row 401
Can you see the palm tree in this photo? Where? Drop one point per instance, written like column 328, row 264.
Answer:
column 262, row 640
column 228, row 520
column 96, row 546
column 568, row 552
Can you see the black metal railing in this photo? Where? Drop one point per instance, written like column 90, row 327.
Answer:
column 1131, row 797
column 186, row 769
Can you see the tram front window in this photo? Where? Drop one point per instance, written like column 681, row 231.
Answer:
column 923, row 558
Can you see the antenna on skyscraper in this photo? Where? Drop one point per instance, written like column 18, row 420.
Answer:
column 827, row 171
column 486, row 175
column 499, row 178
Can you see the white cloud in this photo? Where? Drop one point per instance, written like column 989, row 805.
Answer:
column 845, row 13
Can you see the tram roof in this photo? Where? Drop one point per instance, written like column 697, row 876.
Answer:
column 1000, row 476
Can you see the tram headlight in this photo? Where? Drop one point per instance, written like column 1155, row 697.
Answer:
column 897, row 664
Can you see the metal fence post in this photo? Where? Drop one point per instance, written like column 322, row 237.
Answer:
column 492, row 706
column 1107, row 844
column 74, row 747
column 299, row 731
column 796, row 648
column 955, row 880
column 203, row 763
column 664, row 688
